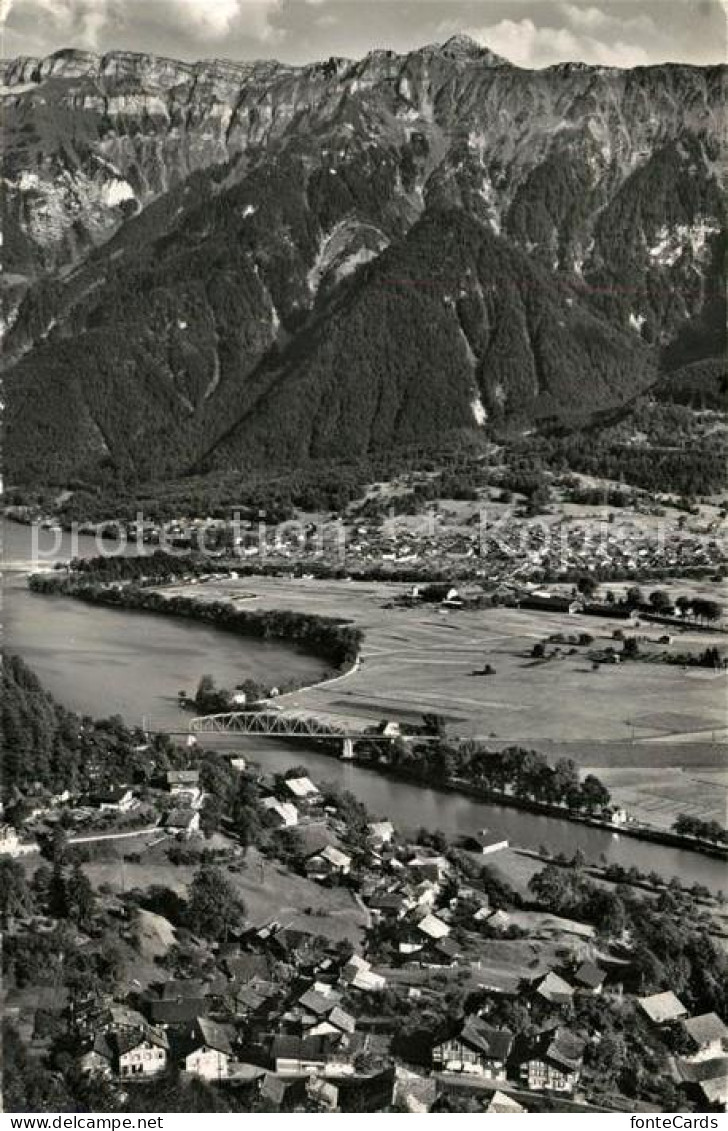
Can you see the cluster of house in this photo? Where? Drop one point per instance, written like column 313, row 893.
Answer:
column 176, row 806
column 566, row 544
column 702, row 1067
column 294, row 1016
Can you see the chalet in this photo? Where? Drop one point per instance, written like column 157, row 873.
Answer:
column 244, row 1001
column 243, row 968
column 176, row 1012
column 143, row 1053
column 359, row 975
column 314, row 1005
column 433, row 868
column 433, row 927
column 589, row 978
column 336, row 1020
column 499, row 920
column 445, row 952
column 302, row 790
column 474, row 1047
column 486, row 842
column 204, row 1050
column 182, row 822
column 662, row 1008
column 707, row 1034
column 293, row 1056
column 182, row 781
column 706, row 1079
column 12, row 845
column 553, row 1062
column 283, row 814
column 330, row 861
column 282, row 1094
column 380, row 832
column 554, row 989
column 388, row 905
column 98, row 1060
column 118, row 800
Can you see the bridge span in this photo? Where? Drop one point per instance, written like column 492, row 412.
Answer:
column 286, row 724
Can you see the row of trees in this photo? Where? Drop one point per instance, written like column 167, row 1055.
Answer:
column 686, row 825
column 516, row 771
column 333, row 638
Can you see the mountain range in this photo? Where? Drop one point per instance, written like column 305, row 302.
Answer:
column 214, row 265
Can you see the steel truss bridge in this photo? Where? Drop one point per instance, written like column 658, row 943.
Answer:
column 291, row 724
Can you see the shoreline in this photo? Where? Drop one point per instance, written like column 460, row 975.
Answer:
column 647, row 833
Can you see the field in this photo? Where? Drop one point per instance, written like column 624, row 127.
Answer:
column 267, row 890
column 631, row 719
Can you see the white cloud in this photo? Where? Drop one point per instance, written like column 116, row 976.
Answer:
column 595, row 20
column 90, row 23
column 530, row 46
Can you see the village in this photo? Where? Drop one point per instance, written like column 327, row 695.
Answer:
column 407, row 974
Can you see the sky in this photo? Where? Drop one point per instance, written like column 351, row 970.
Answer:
column 531, row 33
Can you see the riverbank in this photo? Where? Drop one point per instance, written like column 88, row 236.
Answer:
column 291, row 625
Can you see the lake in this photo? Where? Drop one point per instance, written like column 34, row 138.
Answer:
column 101, row 662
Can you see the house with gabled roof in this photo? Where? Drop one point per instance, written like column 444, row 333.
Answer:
column 433, row 927
column 589, row 978
column 707, row 1034
column 283, row 814
column 337, row 1020
column 662, row 1008
column 554, row 989
column 182, row 822
column 380, row 833
column 205, row 1049
column 140, row 1053
column 302, row 789
column 475, row 1047
column 330, row 861
column 553, row 1061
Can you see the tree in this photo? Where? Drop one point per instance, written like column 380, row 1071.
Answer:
column 587, row 585
column 214, row 908
column 660, row 600
column 553, row 887
column 631, row 648
column 634, row 597
column 593, row 795
column 565, row 780
column 79, row 897
column 210, row 815
column 15, row 895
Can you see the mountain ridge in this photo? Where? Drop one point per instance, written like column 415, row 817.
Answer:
column 179, row 253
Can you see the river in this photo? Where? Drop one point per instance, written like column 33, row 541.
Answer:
column 104, row 661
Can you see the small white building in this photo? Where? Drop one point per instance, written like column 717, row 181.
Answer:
column 140, row 1053
column 283, row 813
column 302, row 789
column 206, row 1050
column 433, row 927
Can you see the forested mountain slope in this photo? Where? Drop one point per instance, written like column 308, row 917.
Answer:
column 229, row 264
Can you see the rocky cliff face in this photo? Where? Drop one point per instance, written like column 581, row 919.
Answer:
column 260, row 208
